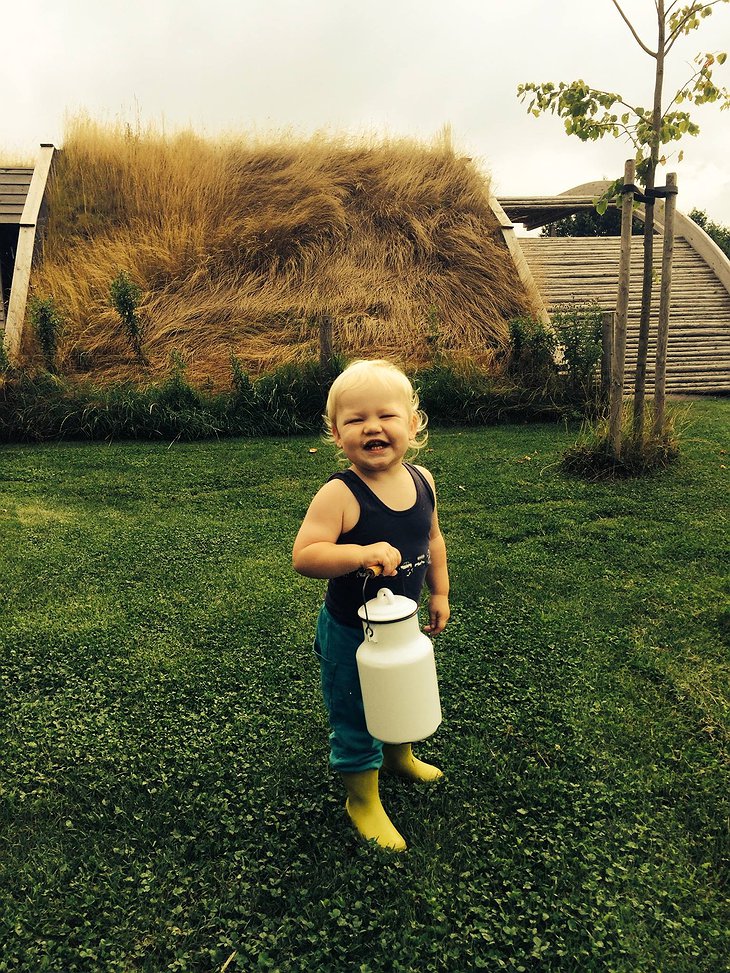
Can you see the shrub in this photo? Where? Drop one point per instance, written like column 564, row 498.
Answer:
column 48, row 325
column 453, row 397
column 242, row 404
column 125, row 296
column 290, row 400
column 591, row 458
column 176, row 393
column 534, row 345
column 720, row 234
column 293, row 398
column 579, row 331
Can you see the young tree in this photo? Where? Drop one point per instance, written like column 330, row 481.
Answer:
column 590, row 114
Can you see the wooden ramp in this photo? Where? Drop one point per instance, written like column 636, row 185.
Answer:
column 21, row 215
column 581, row 269
column 14, row 185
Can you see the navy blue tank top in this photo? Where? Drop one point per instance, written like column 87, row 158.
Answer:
column 408, row 530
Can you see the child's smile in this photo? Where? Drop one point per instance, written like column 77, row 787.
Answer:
column 375, row 445
column 374, row 427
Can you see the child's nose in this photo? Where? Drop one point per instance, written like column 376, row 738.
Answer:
column 373, row 424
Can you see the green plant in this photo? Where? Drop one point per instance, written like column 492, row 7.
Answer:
column 534, row 345
column 243, row 392
column 592, row 458
column 286, row 401
column 292, row 398
column 720, row 234
column 434, row 335
column 5, row 366
column 176, row 393
column 48, row 325
column 579, row 330
column 125, row 296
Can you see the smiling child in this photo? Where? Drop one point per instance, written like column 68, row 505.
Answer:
column 379, row 513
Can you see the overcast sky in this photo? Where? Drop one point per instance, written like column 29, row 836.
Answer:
column 383, row 67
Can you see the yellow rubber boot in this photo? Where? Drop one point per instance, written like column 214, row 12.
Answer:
column 398, row 759
column 367, row 813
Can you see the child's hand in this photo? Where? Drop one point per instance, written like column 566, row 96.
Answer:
column 438, row 614
column 382, row 553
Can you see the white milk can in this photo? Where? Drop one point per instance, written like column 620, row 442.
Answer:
column 397, row 671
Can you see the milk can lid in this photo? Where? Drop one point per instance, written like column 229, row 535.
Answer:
column 387, row 607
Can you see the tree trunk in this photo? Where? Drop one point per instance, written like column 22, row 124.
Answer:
column 660, row 374
column 645, row 318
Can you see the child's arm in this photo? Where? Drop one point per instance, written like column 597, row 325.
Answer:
column 437, row 576
column 316, row 552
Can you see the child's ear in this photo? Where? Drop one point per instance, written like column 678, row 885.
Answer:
column 336, row 436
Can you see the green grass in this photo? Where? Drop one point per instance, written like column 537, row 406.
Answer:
column 165, row 800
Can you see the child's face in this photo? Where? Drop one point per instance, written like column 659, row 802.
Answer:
column 374, row 426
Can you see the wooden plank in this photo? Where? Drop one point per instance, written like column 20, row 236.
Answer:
column 37, row 187
column 521, row 265
column 19, row 293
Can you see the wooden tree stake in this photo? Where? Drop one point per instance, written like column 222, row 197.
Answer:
column 325, row 342
column 622, row 309
column 660, row 373
column 607, row 321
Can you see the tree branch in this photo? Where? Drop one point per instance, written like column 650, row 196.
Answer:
column 694, row 9
column 631, row 28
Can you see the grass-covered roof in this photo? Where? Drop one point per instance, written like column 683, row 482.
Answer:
column 239, row 245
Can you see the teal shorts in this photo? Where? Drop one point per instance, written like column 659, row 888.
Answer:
column 352, row 749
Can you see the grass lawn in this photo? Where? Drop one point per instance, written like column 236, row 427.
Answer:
column 165, row 801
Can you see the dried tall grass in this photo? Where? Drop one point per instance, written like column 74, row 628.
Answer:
column 239, row 245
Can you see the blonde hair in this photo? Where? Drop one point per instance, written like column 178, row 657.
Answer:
column 363, row 371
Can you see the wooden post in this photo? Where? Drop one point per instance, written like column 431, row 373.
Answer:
column 607, row 320
column 622, row 309
column 2, row 300
column 660, row 371
column 325, row 342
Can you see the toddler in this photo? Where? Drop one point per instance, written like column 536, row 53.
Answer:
column 378, row 514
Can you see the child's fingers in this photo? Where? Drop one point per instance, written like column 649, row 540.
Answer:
column 435, row 626
column 383, row 555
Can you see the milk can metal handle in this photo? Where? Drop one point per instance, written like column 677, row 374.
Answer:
column 372, row 571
